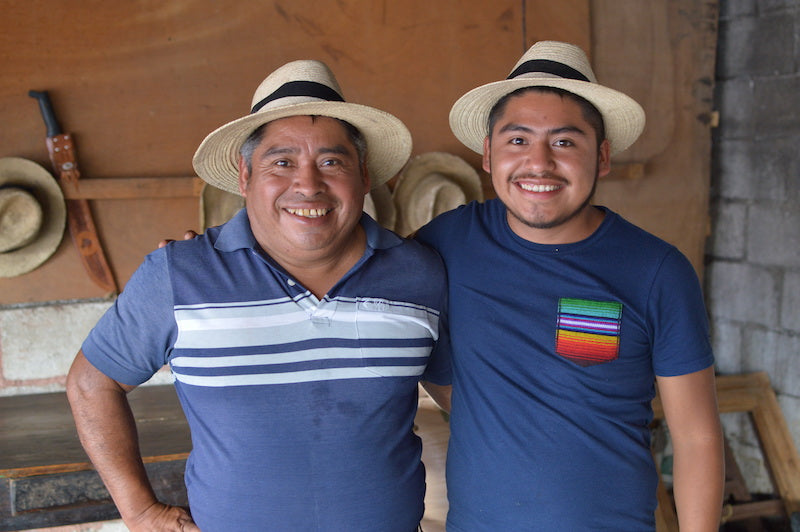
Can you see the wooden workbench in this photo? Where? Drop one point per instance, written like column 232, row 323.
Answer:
column 46, row 478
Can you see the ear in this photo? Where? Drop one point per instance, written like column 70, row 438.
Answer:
column 244, row 177
column 604, row 159
column 487, row 157
column 365, row 179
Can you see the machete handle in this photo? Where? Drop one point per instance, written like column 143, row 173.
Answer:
column 49, row 116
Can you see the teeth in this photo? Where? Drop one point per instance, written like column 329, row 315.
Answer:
column 309, row 213
column 538, row 188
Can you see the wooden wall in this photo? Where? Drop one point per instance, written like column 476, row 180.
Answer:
column 139, row 84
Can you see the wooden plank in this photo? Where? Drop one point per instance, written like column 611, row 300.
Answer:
column 753, row 394
column 133, row 188
column 46, row 478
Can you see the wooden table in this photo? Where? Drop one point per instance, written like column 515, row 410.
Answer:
column 46, row 478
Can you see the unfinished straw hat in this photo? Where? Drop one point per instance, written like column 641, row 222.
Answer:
column 430, row 184
column 549, row 64
column 32, row 216
column 304, row 87
column 379, row 205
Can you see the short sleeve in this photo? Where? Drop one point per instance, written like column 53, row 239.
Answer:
column 132, row 340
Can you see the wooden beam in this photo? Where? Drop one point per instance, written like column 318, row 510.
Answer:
column 133, row 188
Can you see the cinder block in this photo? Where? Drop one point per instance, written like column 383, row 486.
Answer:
column 774, row 235
column 776, row 353
column 727, row 240
column 40, row 342
column 734, row 169
column 742, row 292
column 777, row 168
column 737, row 8
column 736, row 56
column 773, row 105
column 738, row 428
column 726, row 340
column 761, row 349
column 735, row 102
column 790, row 307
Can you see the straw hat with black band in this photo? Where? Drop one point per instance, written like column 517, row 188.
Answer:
column 550, row 64
column 32, row 216
column 304, row 87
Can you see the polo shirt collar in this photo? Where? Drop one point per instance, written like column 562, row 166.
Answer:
column 236, row 234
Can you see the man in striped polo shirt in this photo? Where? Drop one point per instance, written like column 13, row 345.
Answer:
column 296, row 333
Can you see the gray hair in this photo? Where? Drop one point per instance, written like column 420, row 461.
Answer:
column 353, row 134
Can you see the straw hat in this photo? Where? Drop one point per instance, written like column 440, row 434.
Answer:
column 303, row 87
column 32, row 216
column 217, row 206
column 550, row 64
column 430, row 184
column 379, row 205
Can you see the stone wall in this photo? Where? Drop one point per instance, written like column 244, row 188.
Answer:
column 753, row 255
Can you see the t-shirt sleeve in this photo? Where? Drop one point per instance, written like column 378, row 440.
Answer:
column 681, row 341
column 438, row 370
column 132, row 340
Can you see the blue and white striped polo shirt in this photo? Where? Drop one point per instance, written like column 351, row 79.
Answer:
column 301, row 409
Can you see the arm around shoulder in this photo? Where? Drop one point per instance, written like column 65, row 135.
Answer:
column 690, row 408
column 439, row 393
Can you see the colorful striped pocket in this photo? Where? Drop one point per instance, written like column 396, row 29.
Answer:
column 588, row 331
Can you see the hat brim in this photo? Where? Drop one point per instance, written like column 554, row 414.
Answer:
column 388, row 141
column 430, row 184
column 18, row 172
column 623, row 117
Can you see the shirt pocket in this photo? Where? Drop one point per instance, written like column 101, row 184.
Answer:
column 588, row 332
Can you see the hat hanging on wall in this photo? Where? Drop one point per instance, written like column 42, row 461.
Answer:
column 378, row 204
column 32, row 216
column 217, row 206
column 430, row 184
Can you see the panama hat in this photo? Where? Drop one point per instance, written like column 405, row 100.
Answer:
column 304, row 87
column 430, row 184
column 32, row 216
column 379, row 205
column 550, row 64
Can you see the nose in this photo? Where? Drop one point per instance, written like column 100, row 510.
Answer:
column 539, row 157
column 308, row 179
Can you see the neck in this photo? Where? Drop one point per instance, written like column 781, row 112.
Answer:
column 577, row 228
column 320, row 274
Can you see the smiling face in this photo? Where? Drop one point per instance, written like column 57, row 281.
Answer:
column 544, row 160
column 305, row 192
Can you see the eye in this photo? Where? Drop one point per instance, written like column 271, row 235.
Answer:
column 516, row 140
column 564, row 143
column 281, row 162
column 330, row 162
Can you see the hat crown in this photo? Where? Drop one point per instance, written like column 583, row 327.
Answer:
column 20, row 218
column 301, row 81
column 553, row 59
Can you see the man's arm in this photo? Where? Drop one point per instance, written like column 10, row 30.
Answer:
column 107, row 432
column 439, row 393
column 690, row 408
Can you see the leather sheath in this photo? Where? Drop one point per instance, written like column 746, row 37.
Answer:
column 79, row 215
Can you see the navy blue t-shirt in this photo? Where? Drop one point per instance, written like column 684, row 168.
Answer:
column 555, row 352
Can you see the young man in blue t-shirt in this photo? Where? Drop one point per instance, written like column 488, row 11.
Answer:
column 563, row 316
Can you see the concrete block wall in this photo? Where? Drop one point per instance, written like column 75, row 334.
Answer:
column 753, row 254
column 38, row 343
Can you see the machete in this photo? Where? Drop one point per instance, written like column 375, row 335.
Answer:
column 79, row 216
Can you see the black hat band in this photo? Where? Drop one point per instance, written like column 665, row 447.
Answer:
column 547, row 67
column 300, row 88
